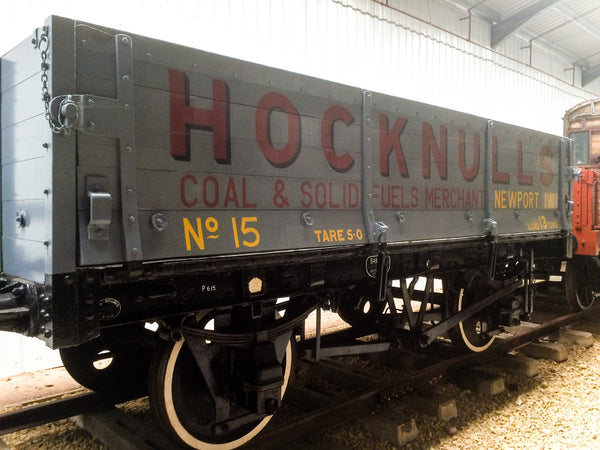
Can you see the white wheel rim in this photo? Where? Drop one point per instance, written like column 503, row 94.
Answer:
column 463, row 335
column 182, row 431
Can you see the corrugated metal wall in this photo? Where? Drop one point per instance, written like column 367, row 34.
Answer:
column 357, row 42
column 419, row 49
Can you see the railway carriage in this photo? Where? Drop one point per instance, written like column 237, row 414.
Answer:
column 582, row 126
column 224, row 201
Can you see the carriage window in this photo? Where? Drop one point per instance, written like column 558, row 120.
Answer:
column 581, row 142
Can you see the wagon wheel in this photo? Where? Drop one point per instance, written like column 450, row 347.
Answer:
column 108, row 366
column 471, row 335
column 181, row 400
column 359, row 308
column 580, row 281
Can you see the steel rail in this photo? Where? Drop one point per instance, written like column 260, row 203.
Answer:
column 364, row 403
column 31, row 416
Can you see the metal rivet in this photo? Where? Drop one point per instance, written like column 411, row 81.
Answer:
column 159, row 221
column 307, row 219
column 134, row 250
column 131, row 219
column 125, row 41
column 22, row 219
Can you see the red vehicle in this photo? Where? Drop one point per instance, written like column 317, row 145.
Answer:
column 582, row 125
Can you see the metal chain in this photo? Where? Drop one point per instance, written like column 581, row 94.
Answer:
column 44, row 44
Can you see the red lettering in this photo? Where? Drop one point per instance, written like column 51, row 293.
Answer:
column 210, row 180
column 468, row 173
column 305, row 188
column 184, row 117
column 414, row 195
column 546, row 178
column 389, row 140
column 231, row 194
column 182, row 190
column 327, row 195
column 440, row 153
column 522, row 178
column 339, row 163
column 245, row 202
column 331, row 203
column 320, row 195
column 497, row 176
column 397, row 196
column 286, row 155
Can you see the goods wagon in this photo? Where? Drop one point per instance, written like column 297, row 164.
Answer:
column 146, row 182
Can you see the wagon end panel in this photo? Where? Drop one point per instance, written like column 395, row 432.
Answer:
column 34, row 232
column 25, row 164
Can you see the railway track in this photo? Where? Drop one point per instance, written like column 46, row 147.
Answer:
column 368, row 401
column 309, row 410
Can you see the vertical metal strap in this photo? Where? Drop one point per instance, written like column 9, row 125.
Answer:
column 489, row 223
column 127, row 149
column 563, row 197
column 366, row 169
column 565, row 176
column 529, row 291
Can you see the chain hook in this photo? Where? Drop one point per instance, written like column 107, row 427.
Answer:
column 44, row 44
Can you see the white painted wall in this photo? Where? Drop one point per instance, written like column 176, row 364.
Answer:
column 22, row 354
column 356, row 42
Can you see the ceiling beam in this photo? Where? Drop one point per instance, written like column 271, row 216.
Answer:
column 506, row 27
column 589, row 75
